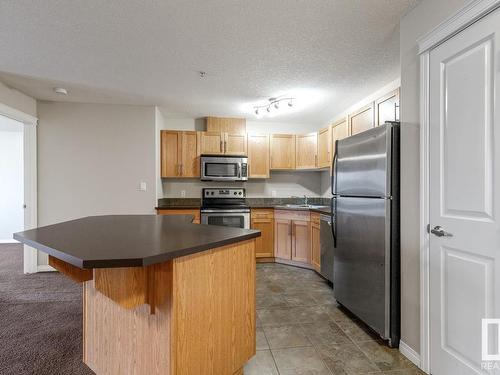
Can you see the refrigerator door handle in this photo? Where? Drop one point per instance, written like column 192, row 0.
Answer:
column 333, row 219
column 334, row 168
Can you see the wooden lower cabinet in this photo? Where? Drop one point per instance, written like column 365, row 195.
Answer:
column 292, row 236
column 301, row 241
column 315, row 241
column 283, row 238
column 181, row 211
column 263, row 220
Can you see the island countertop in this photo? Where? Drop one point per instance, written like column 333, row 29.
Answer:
column 129, row 240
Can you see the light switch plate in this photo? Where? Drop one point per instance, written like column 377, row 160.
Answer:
column 142, row 186
column 273, row 193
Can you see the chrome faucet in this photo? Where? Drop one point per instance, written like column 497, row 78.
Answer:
column 305, row 200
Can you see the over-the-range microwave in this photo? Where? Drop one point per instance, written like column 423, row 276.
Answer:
column 224, row 168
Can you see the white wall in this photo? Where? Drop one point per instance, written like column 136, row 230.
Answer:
column 92, row 158
column 11, row 178
column 285, row 184
column 17, row 101
column 418, row 22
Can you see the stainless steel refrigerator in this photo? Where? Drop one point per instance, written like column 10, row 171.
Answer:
column 365, row 217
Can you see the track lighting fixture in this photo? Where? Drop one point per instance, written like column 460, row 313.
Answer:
column 273, row 102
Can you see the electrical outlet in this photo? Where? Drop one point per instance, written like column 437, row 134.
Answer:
column 183, row 193
column 142, row 186
column 273, row 193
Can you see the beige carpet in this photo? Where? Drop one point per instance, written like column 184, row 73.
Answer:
column 40, row 320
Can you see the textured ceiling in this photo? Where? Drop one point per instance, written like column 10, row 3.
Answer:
column 327, row 53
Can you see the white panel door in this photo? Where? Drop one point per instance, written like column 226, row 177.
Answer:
column 464, row 196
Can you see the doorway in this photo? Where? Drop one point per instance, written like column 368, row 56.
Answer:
column 12, row 178
column 461, row 196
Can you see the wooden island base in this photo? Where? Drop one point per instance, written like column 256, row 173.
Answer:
column 188, row 316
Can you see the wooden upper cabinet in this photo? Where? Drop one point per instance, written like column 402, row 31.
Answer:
column 306, row 149
column 340, row 130
column 282, row 151
column 180, row 154
column 212, row 143
column 170, row 153
column 324, row 147
column 237, row 126
column 387, row 108
column 258, row 155
column 235, row 144
column 190, row 154
column 362, row 120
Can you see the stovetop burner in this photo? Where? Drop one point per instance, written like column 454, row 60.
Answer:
column 223, row 199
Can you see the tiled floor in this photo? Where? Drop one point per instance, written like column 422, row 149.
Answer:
column 301, row 330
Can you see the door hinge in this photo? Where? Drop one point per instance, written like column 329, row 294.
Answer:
column 428, row 228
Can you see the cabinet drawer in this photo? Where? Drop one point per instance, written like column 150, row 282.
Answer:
column 262, row 213
column 181, row 211
column 302, row 215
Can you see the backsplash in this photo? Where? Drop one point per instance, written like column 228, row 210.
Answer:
column 283, row 184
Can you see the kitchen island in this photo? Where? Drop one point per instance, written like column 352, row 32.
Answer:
column 160, row 295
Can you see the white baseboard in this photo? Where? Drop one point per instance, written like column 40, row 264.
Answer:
column 9, row 241
column 409, row 353
column 45, row 268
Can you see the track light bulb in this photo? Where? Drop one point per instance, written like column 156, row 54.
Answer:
column 256, row 111
column 290, row 103
column 269, row 109
column 277, row 105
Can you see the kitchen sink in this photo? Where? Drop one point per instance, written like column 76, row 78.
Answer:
column 304, row 206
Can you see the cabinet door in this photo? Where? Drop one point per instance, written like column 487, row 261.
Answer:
column 301, row 242
column 226, row 125
column 170, row 153
column 324, row 147
column 212, row 143
column 190, row 161
column 282, row 151
column 306, row 148
column 258, row 155
column 235, row 144
column 282, row 239
column 340, row 130
column 181, row 211
column 264, row 245
column 315, row 245
column 387, row 108
column 362, row 120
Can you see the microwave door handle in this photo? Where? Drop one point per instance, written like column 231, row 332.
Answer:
column 239, row 170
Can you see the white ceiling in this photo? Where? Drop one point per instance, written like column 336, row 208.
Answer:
column 328, row 53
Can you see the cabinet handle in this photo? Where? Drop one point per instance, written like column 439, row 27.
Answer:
column 220, row 146
column 225, row 146
column 316, row 160
column 181, row 169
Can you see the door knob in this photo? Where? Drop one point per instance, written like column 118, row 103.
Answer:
column 440, row 232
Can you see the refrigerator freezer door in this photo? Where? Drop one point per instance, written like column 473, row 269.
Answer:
column 363, row 164
column 362, row 259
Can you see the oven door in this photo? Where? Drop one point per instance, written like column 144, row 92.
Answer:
column 238, row 219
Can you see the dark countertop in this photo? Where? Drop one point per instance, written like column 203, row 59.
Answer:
column 129, row 240
column 279, row 203
column 271, row 203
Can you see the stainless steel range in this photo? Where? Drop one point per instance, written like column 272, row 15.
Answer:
column 226, row 207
